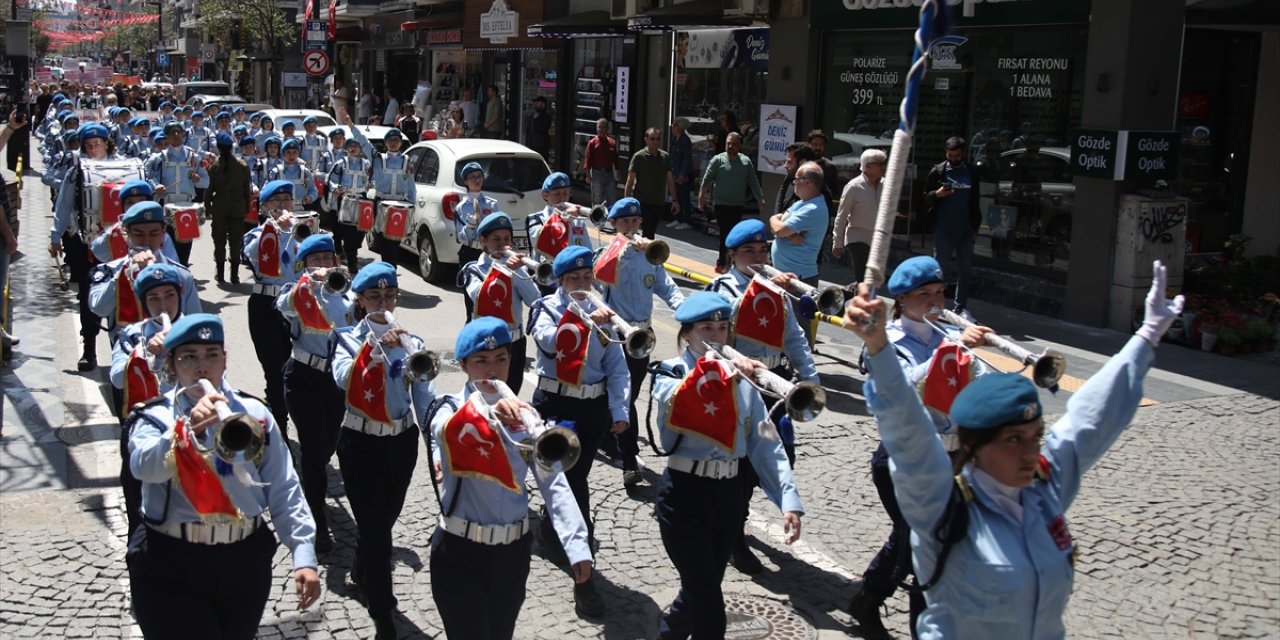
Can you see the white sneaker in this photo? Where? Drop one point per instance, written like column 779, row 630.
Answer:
column 674, row 224
column 683, row 225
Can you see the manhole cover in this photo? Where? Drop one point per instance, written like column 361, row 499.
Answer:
column 755, row 618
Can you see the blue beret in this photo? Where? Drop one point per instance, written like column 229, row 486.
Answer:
column 309, row 120
column 288, row 123
column 493, row 222
column 238, row 110
column 59, row 97
column 135, row 188
column 142, row 212
column 481, row 334
column 255, row 116
column 72, row 135
column 139, row 122
column 93, row 130
column 271, row 140
column 197, row 328
column 187, row 109
column 222, row 115
column 557, row 180
column 197, row 99
column 224, row 139
column 247, row 140
column 339, row 131
column 375, row 275
column 274, row 188
column 156, row 274
column 315, row 243
column 995, row 400
column 751, row 230
column 624, row 208
column 240, row 129
column 197, row 114
column 113, row 111
column 124, row 111
column 704, row 305
column 172, row 124
column 572, row 259
column 393, row 133
column 157, row 134
column 291, row 143
column 267, row 118
column 166, row 105
column 468, row 168
column 914, row 272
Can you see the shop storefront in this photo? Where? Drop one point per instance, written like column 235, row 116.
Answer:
column 390, row 55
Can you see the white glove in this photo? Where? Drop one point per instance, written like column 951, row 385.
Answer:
column 1161, row 311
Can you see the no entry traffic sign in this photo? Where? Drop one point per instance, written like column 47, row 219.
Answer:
column 316, row 62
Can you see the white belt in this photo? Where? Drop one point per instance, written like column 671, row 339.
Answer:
column 950, row 441
column 772, row 362
column 583, row 392
column 372, row 428
column 200, row 533
column 319, row 363
column 714, row 469
column 272, row 290
column 494, row 534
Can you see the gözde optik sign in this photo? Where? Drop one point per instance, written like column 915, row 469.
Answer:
column 1124, row 155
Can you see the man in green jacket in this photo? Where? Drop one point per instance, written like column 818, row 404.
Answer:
column 726, row 181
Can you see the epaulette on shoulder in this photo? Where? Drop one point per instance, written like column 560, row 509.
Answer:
column 250, row 397
column 143, row 406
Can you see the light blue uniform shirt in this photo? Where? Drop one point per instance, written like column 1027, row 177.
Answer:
column 173, row 169
column 102, row 289
column 128, row 340
column 810, row 218
column 766, row 455
column 638, row 282
column 56, row 169
column 337, row 308
column 490, row 504
column 304, row 182
column 604, row 363
column 65, row 213
column 1006, row 579
column 915, row 343
column 260, row 136
column 102, row 250
column 524, row 292
column 288, row 249
column 351, row 173
column 266, row 165
column 151, row 439
column 200, row 138
column 391, row 177
column 473, row 209
column 404, row 400
column 313, row 147
column 732, row 285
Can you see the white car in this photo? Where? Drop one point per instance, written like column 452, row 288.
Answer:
column 297, row 115
column 513, row 176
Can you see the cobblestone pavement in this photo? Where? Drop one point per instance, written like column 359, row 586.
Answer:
column 1178, row 525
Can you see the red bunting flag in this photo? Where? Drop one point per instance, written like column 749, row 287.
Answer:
column 197, row 479
column 128, row 305
column 117, row 244
column 308, row 309
column 705, row 405
column 474, row 449
column 140, row 382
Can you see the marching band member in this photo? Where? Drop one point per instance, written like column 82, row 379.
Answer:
column 392, row 178
column 227, row 201
column 248, row 153
column 480, row 552
column 501, row 290
column 221, row 124
column 1008, row 572
column 204, row 557
column 199, row 137
column 56, row 166
column 287, row 130
column 296, row 173
column 140, row 142
column 349, row 173
column 255, row 127
column 763, row 340
column 314, row 145
column 179, row 177
column 377, row 450
column 630, row 282
column 270, row 248
column 266, row 129
column 315, row 403
column 240, row 116
column 711, row 422
column 475, row 207
column 270, row 146
column 131, row 193
column 581, row 380
column 166, row 114
column 564, row 231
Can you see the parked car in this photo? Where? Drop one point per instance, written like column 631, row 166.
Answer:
column 297, row 115
column 513, row 176
column 185, row 90
column 845, row 150
column 1034, row 197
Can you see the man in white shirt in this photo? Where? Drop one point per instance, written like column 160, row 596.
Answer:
column 364, row 106
column 393, row 109
column 856, row 216
column 470, row 111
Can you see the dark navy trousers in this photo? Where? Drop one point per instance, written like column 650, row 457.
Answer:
column 478, row 588
column 699, row 518
column 317, row 405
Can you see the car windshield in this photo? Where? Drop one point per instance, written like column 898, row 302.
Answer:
column 509, row 174
column 206, row 89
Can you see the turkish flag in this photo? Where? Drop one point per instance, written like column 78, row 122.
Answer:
column 494, row 299
column 473, row 449
column 365, row 221
column 367, row 390
column 761, row 314
column 186, row 225
column 111, row 207
column 197, row 479
column 307, row 307
column 949, row 372
column 606, row 268
column 117, row 244
column 572, row 338
column 251, row 215
column 140, row 383
column 128, row 305
column 705, row 405
column 397, row 223
column 333, row 19
column 269, row 251
column 554, row 236
column 321, row 188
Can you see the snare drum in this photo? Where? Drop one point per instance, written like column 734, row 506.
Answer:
column 393, row 219
column 349, row 211
column 185, row 220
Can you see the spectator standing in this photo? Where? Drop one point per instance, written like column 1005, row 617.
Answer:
column 725, row 183
column 470, row 111
column 649, row 180
column 797, row 154
column 495, row 116
column 681, row 152
column 728, row 124
column 364, row 106
column 830, row 176
column 800, row 230
column 600, row 164
column 538, row 128
column 856, row 217
column 951, row 200
column 42, row 103
column 391, row 109
column 409, row 123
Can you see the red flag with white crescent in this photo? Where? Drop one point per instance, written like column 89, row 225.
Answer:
column 308, row 309
column 473, row 449
column 140, row 382
column 572, row 339
column 495, row 299
column 705, row 405
column 333, row 19
column 607, row 267
column 117, row 244
column 197, row 478
column 367, row 215
column 186, row 225
column 251, row 214
column 269, row 251
column 554, row 236
column 367, row 390
column 949, row 372
column 761, row 314
column 397, row 223
column 128, row 305
column 111, row 207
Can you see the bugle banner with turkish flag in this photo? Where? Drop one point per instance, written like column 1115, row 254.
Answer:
column 760, row 315
column 572, row 338
column 269, row 251
column 197, row 478
column 554, row 236
column 308, row 309
column 705, row 405
column 128, row 304
column 474, row 449
column 950, row 370
column 607, row 267
column 251, row 214
column 367, row 389
column 494, row 300
column 117, row 244
column 140, row 382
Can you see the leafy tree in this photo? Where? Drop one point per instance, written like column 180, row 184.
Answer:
column 260, row 25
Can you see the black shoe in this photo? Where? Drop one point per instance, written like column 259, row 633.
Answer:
column 743, row 560
column 220, row 277
column 385, row 628
column 235, row 274
column 865, row 610
column 587, row 600
column 88, row 360
column 631, row 478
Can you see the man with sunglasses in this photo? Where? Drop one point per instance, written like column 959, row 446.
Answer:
column 650, row 181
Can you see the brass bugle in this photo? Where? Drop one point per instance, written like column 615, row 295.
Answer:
column 423, row 364
column 541, row 272
column 337, row 280
column 803, row 401
column 1047, row 368
column 656, row 252
column 829, row 299
column 596, row 215
column 238, row 436
column 554, row 448
column 638, row 343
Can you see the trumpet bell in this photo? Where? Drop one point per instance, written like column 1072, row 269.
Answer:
column 423, row 365
column 239, row 437
column 805, row 402
column 657, row 252
column 831, row 301
column 557, row 446
column 544, row 274
column 1048, row 369
column 337, row 281
column 598, row 214
column 640, row 344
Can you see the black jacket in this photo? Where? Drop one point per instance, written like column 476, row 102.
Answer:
column 934, row 180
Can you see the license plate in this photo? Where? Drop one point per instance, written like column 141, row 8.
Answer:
column 521, row 243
